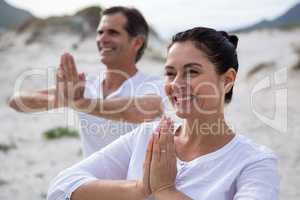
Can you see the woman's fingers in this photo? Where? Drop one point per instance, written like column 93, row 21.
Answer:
column 158, row 128
column 147, row 163
column 148, row 156
column 163, row 130
column 163, row 140
column 171, row 148
column 163, row 165
column 156, row 149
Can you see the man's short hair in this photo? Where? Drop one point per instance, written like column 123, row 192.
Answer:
column 136, row 24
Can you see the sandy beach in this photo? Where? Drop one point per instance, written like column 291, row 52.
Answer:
column 29, row 161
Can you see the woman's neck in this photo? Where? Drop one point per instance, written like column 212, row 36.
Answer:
column 199, row 137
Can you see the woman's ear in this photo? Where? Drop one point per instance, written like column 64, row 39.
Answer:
column 229, row 78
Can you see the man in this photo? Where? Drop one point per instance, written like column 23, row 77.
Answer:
column 121, row 39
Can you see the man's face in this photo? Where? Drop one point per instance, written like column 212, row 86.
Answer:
column 114, row 43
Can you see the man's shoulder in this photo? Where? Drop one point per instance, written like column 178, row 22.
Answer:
column 147, row 84
column 153, row 81
column 92, row 78
column 143, row 77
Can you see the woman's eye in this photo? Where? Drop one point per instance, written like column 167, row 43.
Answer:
column 169, row 74
column 193, row 72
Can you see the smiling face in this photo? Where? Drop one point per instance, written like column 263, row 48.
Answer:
column 192, row 83
column 115, row 45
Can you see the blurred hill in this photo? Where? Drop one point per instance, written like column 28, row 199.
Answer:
column 11, row 17
column 82, row 25
column 288, row 20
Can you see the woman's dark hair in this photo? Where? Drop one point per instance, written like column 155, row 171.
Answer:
column 136, row 24
column 218, row 45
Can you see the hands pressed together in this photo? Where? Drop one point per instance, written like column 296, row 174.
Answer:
column 159, row 169
column 160, row 161
column 69, row 83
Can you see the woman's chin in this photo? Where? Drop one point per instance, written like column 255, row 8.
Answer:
column 183, row 114
column 192, row 114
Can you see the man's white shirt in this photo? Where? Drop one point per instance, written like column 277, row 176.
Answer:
column 98, row 132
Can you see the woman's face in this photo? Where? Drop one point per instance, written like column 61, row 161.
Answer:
column 192, row 84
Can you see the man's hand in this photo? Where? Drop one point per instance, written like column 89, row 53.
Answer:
column 69, row 84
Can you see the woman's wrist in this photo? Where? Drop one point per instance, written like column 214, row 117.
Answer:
column 143, row 193
column 165, row 191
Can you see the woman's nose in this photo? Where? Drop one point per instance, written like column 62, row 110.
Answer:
column 179, row 83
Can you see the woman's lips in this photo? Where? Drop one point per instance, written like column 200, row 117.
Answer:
column 181, row 99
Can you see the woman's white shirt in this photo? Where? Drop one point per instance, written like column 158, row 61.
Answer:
column 240, row 170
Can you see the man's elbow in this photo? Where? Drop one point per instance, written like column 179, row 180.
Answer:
column 152, row 115
column 141, row 118
column 144, row 115
column 155, row 110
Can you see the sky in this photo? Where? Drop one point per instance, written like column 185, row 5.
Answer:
column 170, row 16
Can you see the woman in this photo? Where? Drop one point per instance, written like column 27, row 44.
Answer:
column 201, row 159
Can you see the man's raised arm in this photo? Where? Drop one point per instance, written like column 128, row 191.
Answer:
column 30, row 102
column 69, row 92
column 134, row 110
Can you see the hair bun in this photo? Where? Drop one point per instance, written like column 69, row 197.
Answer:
column 234, row 40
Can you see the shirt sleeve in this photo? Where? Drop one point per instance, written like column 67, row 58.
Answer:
column 110, row 163
column 259, row 180
column 91, row 90
column 153, row 87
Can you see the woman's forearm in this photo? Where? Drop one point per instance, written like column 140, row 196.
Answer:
column 109, row 189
